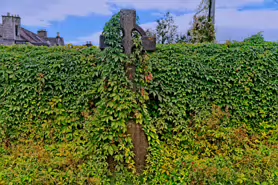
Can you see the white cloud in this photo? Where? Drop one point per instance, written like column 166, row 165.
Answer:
column 236, row 3
column 181, row 5
column 158, row 4
column 262, row 19
column 42, row 12
column 157, row 14
column 230, row 24
column 82, row 40
column 233, row 24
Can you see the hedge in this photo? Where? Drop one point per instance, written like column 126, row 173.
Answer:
column 34, row 80
column 212, row 111
column 241, row 78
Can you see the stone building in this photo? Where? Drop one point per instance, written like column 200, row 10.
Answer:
column 11, row 33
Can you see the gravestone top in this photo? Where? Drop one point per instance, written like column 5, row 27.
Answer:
column 128, row 25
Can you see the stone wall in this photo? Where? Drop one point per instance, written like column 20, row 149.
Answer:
column 1, row 35
column 6, row 42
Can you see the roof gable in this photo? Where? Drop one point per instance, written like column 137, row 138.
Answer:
column 30, row 36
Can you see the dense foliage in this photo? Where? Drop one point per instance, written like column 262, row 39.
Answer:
column 241, row 78
column 209, row 111
column 256, row 39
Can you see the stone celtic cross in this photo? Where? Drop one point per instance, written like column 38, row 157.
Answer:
column 138, row 136
column 128, row 25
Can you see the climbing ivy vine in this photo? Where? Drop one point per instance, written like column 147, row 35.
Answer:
column 116, row 102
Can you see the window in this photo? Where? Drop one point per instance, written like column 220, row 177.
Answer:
column 16, row 30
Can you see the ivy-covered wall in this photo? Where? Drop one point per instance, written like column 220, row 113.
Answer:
column 209, row 112
column 40, row 85
column 241, row 78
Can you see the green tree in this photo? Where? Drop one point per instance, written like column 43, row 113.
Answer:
column 180, row 38
column 202, row 29
column 255, row 39
column 166, row 29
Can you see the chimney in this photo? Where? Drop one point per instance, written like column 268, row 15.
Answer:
column 12, row 27
column 89, row 44
column 42, row 33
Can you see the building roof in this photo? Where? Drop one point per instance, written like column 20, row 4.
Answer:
column 53, row 40
column 31, row 37
column 26, row 35
column 34, row 39
column 39, row 41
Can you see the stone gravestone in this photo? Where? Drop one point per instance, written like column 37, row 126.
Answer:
column 128, row 25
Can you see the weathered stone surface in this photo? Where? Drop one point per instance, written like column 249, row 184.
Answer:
column 128, row 23
column 149, row 43
column 6, row 42
column 140, row 30
column 102, row 44
column 140, row 144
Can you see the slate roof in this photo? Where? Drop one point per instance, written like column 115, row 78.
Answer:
column 28, row 36
column 32, row 37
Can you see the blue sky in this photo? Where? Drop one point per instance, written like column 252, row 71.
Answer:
column 79, row 21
